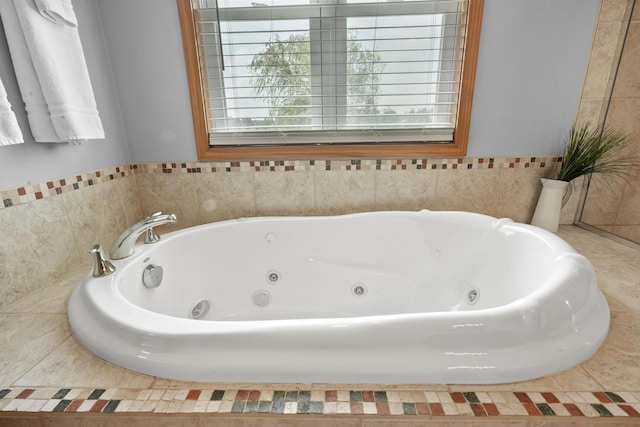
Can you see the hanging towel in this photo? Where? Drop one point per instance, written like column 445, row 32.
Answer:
column 10, row 132
column 32, row 96
column 51, row 70
column 58, row 11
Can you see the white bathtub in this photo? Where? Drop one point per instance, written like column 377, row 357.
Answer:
column 385, row 297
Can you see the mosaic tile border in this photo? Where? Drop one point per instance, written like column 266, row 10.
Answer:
column 31, row 192
column 323, row 402
column 356, row 165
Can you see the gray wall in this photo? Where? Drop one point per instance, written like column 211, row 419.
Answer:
column 145, row 45
column 34, row 162
column 532, row 60
column 531, row 65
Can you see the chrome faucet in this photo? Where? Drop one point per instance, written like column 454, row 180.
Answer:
column 101, row 266
column 125, row 244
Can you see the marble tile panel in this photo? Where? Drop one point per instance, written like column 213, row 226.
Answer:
column 284, row 193
column 412, row 189
column 590, row 111
column 96, row 216
column 629, row 210
column 602, row 60
column 603, row 200
column 575, row 378
column 130, row 199
column 621, row 332
column 225, row 195
column 26, row 339
column 601, row 251
column 71, row 365
column 614, row 369
column 344, row 191
column 36, row 248
column 627, row 83
column 169, row 193
column 471, row 190
column 50, row 299
column 621, row 280
column 613, row 10
column 624, row 115
column 517, row 193
column 629, row 232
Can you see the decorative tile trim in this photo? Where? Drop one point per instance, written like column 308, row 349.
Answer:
column 319, row 402
column 31, row 192
column 356, row 165
column 28, row 193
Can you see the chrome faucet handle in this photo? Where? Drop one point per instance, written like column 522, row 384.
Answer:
column 151, row 236
column 101, row 267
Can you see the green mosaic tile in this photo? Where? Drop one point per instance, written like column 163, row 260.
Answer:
column 614, row 397
column 471, row 397
column 602, row 410
column 380, row 396
column 264, row 406
column 62, row 405
column 95, row 394
column 61, row 393
column 545, row 409
column 217, row 395
column 111, row 406
column 409, row 408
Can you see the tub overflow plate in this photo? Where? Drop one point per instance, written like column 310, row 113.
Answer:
column 152, row 276
column 472, row 296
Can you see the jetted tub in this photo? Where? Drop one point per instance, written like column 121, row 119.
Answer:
column 384, row 297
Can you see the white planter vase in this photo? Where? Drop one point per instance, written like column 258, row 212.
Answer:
column 547, row 213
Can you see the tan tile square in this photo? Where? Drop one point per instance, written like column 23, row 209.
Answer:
column 74, row 366
column 27, row 338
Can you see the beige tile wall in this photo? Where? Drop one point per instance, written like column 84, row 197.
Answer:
column 42, row 240
column 614, row 206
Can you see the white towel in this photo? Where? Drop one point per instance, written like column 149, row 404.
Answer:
column 32, row 96
column 10, row 132
column 58, row 11
column 51, row 70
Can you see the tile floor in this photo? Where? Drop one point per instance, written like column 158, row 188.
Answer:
column 44, row 371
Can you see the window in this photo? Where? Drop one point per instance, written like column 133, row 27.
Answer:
column 330, row 78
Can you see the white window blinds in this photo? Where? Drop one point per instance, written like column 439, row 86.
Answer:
column 323, row 71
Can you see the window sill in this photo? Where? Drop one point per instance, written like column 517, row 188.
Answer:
column 330, row 151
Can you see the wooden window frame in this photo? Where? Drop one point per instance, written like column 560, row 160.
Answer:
column 327, row 151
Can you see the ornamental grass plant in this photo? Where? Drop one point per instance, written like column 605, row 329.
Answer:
column 594, row 151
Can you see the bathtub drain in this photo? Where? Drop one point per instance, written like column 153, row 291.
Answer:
column 200, row 309
column 261, row 298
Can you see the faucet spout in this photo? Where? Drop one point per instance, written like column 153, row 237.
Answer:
column 125, row 243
